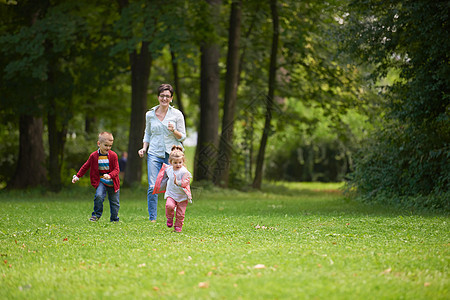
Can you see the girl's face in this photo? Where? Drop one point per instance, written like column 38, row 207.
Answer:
column 177, row 163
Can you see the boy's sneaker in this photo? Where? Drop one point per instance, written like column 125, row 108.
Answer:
column 169, row 223
column 177, row 229
column 94, row 219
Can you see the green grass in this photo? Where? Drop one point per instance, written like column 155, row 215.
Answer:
column 290, row 241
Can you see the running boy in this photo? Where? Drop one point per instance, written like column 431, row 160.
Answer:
column 104, row 175
column 176, row 180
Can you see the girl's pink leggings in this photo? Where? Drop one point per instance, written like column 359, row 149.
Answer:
column 181, row 210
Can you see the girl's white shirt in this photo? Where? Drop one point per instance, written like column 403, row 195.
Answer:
column 172, row 190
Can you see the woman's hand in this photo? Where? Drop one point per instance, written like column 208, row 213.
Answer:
column 171, row 126
column 141, row 152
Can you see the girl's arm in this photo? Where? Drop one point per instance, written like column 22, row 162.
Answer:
column 185, row 180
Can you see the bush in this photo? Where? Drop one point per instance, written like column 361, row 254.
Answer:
column 402, row 166
column 324, row 161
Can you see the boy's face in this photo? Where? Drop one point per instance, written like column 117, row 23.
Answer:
column 177, row 163
column 105, row 146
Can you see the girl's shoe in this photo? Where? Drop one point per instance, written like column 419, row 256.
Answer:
column 177, row 229
column 169, row 223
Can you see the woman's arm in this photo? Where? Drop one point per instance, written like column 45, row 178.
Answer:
column 180, row 131
column 142, row 151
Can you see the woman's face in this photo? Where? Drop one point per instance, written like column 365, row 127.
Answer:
column 165, row 98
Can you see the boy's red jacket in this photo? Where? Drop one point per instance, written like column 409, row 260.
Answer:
column 94, row 174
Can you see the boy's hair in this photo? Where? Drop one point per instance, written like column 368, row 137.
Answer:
column 177, row 152
column 105, row 137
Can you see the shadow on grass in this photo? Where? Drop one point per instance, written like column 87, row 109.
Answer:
column 273, row 199
column 299, row 199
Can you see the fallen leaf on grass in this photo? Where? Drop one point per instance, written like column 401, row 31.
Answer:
column 427, row 284
column 203, row 285
column 387, row 271
column 155, row 288
column 259, row 266
column 25, row 287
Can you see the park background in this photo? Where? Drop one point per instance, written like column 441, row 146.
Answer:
column 272, row 90
column 304, row 118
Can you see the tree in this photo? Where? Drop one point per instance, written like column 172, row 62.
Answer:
column 223, row 162
column 270, row 96
column 140, row 60
column 31, row 157
column 408, row 158
column 207, row 143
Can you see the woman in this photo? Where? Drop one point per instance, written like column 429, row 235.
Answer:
column 164, row 128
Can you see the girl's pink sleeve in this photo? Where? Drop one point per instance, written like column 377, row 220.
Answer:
column 161, row 181
column 186, row 180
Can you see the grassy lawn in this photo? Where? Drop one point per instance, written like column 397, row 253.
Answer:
column 291, row 241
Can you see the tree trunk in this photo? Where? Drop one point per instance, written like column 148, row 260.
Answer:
column 269, row 104
column 223, row 163
column 206, row 150
column 176, row 81
column 90, row 120
column 140, row 73
column 56, row 141
column 30, row 170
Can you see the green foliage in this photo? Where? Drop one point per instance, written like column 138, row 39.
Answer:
column 390, row 168
column 311, row 147
column 284, row 241
column 408, row 161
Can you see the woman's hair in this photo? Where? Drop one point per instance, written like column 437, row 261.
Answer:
column 176, row 153
column 165, row 87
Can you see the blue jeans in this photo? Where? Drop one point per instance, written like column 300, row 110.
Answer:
column 154, row 164
column 113, row 197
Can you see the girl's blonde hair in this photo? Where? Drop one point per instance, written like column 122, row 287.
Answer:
column 176, row 153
